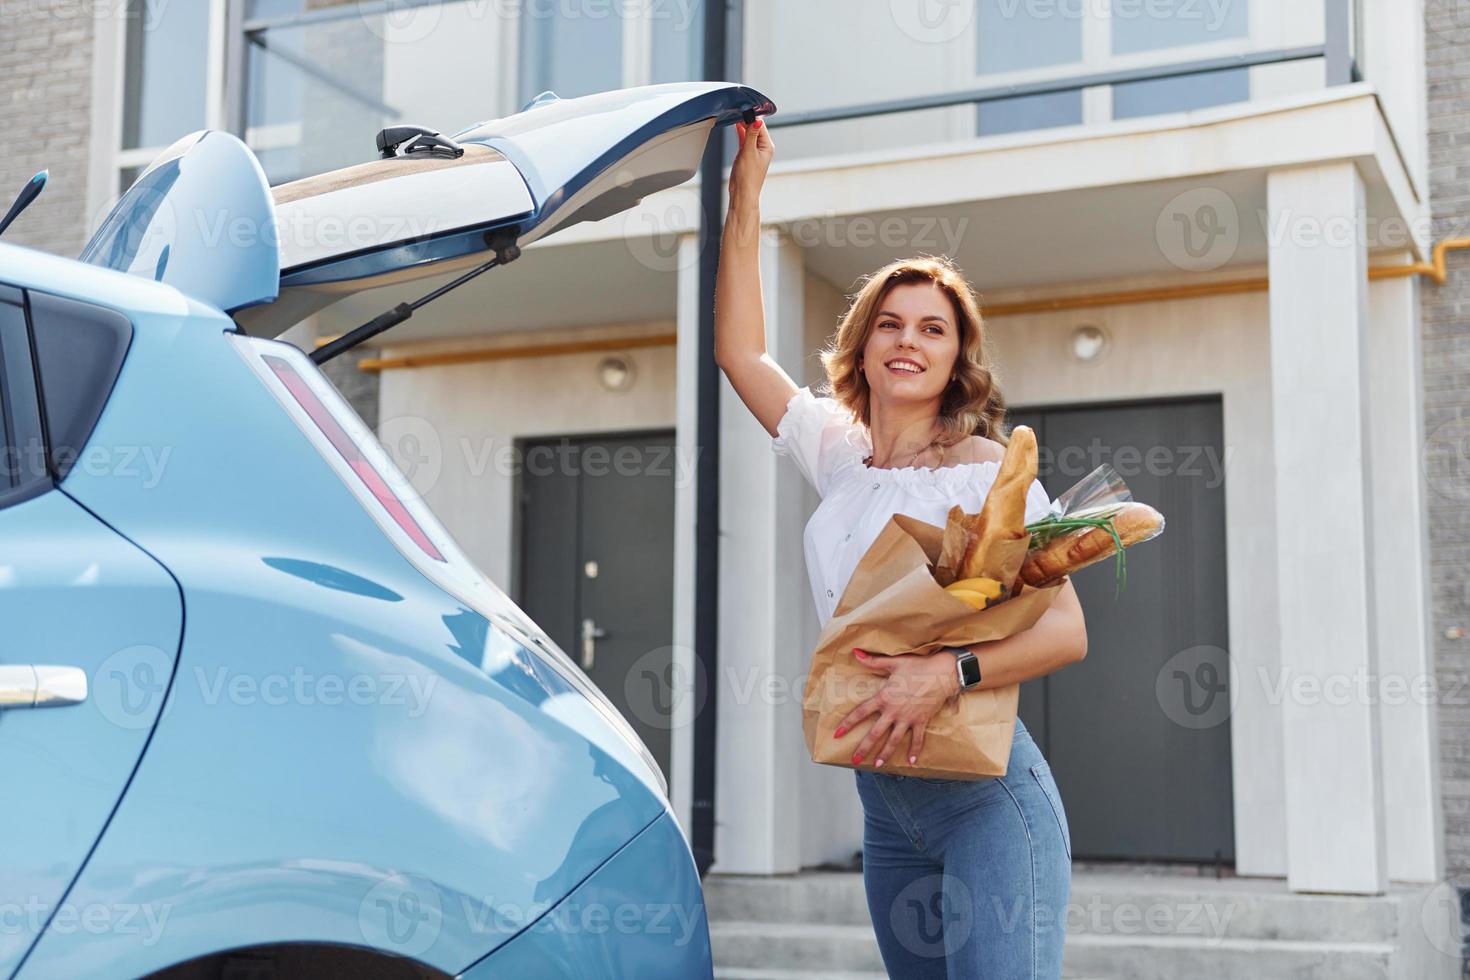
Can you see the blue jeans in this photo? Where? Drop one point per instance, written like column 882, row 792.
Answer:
column 968, row 878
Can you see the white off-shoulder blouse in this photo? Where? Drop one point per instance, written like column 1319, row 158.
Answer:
column 829, row 447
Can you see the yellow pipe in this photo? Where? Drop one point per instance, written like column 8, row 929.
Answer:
column 507, row 353
column 1436, row 269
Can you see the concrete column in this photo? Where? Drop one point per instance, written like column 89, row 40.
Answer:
column 763, row 592
column 1335, row 838
column 1413, row 822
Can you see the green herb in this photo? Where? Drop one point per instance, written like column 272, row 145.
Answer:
column 1050, row 528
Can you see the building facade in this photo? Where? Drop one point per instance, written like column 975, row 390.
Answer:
column 1215, row 280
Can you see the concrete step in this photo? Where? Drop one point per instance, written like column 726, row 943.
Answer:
column 1101, row 903
column 796, row 950
column 1121, row 926
column 736, row 973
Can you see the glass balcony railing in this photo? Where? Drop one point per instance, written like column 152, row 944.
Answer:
column 318, row 78
column 924, row 73
column 321, row 78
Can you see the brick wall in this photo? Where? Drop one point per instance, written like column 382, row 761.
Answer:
column 1446, row 351
column 46, row 118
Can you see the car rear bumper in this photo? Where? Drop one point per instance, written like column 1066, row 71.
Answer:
column 641, row 914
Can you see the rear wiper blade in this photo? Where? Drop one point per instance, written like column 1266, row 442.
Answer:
column 506, row 250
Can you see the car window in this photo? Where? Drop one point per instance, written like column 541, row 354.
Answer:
column 23, row 470
column 79, row 351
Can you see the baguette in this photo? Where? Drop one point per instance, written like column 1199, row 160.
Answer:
column 1003, row 515
column 969, row 548
column 1067, row 553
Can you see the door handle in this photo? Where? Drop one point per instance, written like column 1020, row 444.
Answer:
column 590, row 635
column 41, row 685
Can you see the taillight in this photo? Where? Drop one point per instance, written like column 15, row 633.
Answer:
column 366, row 472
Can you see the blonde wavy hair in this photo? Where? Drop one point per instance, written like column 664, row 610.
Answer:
column 972, row 403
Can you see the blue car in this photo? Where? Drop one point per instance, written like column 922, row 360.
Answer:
column 259, row 715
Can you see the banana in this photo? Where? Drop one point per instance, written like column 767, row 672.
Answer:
column 985, row 586
column 974, row 598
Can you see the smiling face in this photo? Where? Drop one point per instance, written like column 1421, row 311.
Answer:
column 911, row 350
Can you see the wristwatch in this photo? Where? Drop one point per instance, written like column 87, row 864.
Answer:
column 968, row 666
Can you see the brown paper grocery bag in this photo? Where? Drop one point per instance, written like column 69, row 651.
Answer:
column 893, row 605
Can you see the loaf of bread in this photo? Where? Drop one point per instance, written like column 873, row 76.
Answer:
column 969, row 547
column 1066, row 553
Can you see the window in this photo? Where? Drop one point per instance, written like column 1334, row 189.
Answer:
column 165, row 68
column 574, row 50
column 1012, row 36
column 1020, row 42
column 1153, row 25
column 320, row 79
column 1178, row 94
column 1028, row 112
column 23, row 470
column 172, row 75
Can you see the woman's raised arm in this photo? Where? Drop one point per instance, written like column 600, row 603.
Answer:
column 740, row 318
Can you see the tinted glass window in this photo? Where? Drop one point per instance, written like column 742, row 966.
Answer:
column 1156, row 24
column 1185, row 92
column 570, row 50
column 164, row 85
column 1029, row 112
column 23, row 462
column 1012, row 36
column 80, row 349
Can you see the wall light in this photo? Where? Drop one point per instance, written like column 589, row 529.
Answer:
column 616, row 373
column 1089, row 343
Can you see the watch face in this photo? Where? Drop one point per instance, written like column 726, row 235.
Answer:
column 970, row 670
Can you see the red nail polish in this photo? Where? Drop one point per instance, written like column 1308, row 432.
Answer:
column 857, row 760
column 839, row 733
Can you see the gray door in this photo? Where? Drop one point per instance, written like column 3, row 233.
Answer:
column 597, row 564
column 1138, row 734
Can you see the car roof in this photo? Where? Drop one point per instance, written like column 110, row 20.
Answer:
column 31, row 268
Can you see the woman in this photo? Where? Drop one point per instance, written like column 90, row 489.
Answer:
column 964, row 878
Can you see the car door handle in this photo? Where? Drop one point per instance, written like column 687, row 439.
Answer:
column 41, row 685
column 590, row 635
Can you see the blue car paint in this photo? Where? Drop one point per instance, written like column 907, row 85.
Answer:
column 72, row 592
column 469, row 770
column 202, row 219
column 611, row 927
